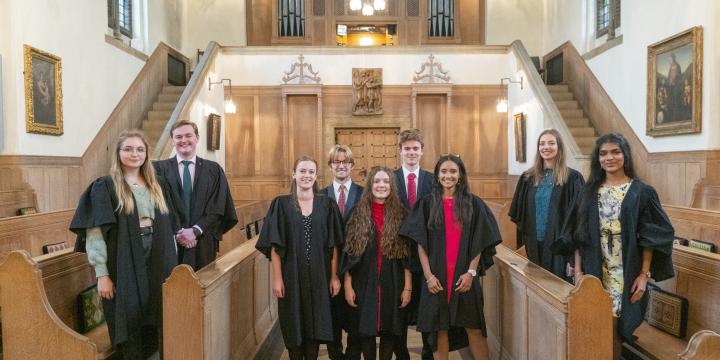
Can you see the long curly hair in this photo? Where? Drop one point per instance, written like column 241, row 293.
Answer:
column 361, row 225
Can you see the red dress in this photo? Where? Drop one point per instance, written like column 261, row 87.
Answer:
column 378, row 214
column 453, row 230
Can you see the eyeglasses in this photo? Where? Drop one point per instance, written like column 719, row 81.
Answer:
column 339, row 163
column 127, row 149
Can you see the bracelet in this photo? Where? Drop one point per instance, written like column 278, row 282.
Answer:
column 428, row 280
column 410, row 290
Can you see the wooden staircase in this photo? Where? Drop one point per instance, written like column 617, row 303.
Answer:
column 157, row 118
column 579, row 125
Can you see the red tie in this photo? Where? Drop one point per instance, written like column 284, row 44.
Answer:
column 341, row 199
column 412, row 190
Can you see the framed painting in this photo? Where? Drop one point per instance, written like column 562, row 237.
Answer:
column 674, row 90
column 43, row 92
column 520, row 144
column 213, row 132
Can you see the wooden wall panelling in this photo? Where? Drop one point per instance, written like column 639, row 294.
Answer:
column 259, row 22
column 508, row 230
column 431, row 119
column 57, row 181
column 240, row 136
column 477, row 132
column 472, row 20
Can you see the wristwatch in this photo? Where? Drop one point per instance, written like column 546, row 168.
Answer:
column 196, row 232
column 472, row 272
column 647, row 274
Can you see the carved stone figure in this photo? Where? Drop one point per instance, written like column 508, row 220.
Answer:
column 367, row 91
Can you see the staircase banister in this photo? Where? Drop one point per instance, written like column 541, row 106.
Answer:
column 548, row 106
column 162, row 148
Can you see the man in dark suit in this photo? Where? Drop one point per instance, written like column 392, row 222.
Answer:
column 413, row 184
column 346, row 193
column 200, row 195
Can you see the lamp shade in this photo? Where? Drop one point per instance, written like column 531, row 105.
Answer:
column 230, row 107
column 502, row 106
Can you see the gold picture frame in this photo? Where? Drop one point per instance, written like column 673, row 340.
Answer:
column 674, row 90
column 520, row 143
column 43, row 92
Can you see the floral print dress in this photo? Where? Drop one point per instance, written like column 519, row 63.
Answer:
column 610, row 198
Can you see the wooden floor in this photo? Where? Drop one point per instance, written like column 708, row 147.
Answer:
column 414, row 345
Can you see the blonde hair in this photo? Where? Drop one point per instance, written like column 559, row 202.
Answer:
column 338, row 148
column 560, row 170
column 126, row 202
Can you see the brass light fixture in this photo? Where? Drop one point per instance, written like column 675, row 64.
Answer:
column 502, row 103
column 230, row 107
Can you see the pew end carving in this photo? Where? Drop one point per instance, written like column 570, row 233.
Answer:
column 31, row 290
column 704, row 345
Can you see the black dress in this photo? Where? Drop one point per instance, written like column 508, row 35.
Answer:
column 138, row 285
column 643, row 224
column 479, row 237
column 306, row 265
column 558, row 246
column 363, row 320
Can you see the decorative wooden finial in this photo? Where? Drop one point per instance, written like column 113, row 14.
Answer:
column 297, row 71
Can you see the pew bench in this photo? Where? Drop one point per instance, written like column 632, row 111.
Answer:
column 39, row 312
column 697, row 278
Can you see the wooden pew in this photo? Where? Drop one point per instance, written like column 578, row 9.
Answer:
column 13, row 200
column 31, row 232
column 697, row 278
column 532, row 314
column 38, row 300
column 248, row 213
column 224, row 311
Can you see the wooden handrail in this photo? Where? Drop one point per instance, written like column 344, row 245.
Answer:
column 130, row 111
column 196, row 83
column 550, row 110
column 596, row 103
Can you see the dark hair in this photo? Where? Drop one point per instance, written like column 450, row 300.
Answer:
column 597, row 174
column 182, row 123
column 463, row 199
column 361, row 223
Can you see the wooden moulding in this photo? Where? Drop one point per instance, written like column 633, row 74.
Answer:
column 590, row 335
column 31, row 329
column 704, row 345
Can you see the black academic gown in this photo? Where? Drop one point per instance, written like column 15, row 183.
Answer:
column 558, row 246
column 353, row 196
column 479, row 237
column 643, row 224
column 138, row 288
column 305, row 310
column 211, row 207
column 365, row 280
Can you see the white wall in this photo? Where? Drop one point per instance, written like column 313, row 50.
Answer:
column 510, row 20
column 165, row 23
column 622, row 70
column 244, row 66
column 95, row 74
column 565, row 20
column 220, row 20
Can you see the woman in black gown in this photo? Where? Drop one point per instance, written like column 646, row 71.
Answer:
column 301, row 235
column 456, row 235
column 625, row 236
column 544, row 208
column 378, row 282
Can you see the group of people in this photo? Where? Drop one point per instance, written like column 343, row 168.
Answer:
column 143, row 219
column 409, row 246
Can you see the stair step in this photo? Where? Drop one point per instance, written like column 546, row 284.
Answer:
column 560, row 96
column 582, row 131
column 172, row 97
column 571, row 113
column 558, row 88
column 567, row 104
column 577, row 122
column 152, row 125
column 585, row 141
column 159, row 115
column 169, row 89
column 587, row 149
column 164, row 105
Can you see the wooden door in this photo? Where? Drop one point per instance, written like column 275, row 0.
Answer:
column 370, row 147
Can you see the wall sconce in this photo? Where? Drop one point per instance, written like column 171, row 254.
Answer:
column 502, row 104
column 230, row 107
